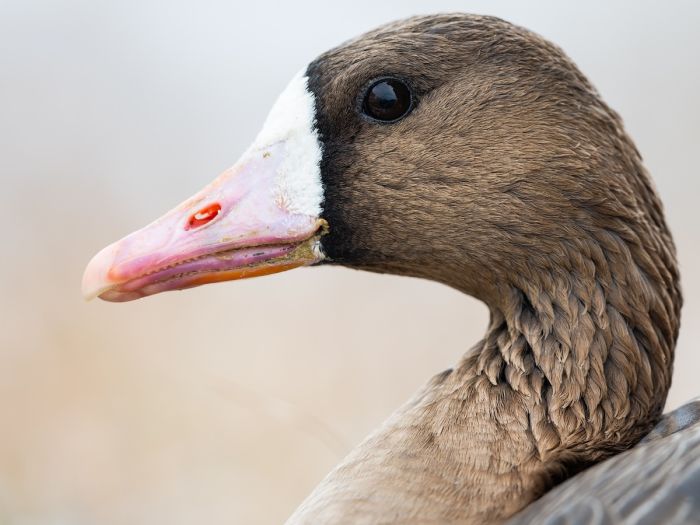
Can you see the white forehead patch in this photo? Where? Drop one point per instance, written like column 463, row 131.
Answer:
column 291, row 122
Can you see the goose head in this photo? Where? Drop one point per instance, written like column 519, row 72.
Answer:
column 456, row 148
column 472, row 152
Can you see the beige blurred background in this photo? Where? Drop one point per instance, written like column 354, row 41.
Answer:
column 228, row 403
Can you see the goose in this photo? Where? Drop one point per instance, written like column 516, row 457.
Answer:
column 472, row 152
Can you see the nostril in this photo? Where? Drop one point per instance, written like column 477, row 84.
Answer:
column 203, row 216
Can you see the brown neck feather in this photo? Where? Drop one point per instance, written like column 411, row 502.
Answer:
column 575, row 366
column 589, row 347
column 532, row 198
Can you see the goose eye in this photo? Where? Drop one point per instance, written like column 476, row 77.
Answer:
column 387, row 100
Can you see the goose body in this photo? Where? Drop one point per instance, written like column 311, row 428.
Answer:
column 472, row 152
column 657, row 481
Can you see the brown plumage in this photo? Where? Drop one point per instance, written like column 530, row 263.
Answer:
column 656, row 482
column 510, row 180
column 514, row 182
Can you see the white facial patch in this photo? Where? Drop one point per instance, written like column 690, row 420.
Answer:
column 291, row 122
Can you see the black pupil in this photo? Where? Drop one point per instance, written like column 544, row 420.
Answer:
column 387, row 100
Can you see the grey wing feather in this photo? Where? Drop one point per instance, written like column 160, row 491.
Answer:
column 656, row 482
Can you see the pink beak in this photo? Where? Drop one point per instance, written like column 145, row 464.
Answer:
column 238, row 226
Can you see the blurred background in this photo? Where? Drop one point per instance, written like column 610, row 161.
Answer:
column 228, row 403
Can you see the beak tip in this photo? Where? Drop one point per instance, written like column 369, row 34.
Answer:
column 96, row 279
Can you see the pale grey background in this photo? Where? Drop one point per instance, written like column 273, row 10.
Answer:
column 226, row 404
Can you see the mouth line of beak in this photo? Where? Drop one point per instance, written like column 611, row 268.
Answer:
column 224, row 265
column 259, row 250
